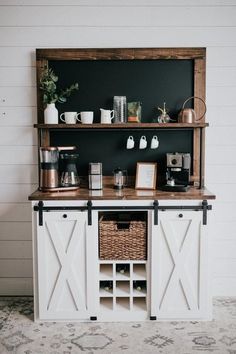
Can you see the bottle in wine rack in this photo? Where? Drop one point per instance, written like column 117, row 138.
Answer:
column 122, row 268
column 139, row 285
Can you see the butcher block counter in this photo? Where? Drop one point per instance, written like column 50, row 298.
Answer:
column 109, row 193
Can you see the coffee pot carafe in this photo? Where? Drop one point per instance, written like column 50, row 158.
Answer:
column 69, row 173
column 188, row 115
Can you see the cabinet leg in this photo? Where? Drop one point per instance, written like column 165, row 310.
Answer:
column 93, row 318
column 153, row 318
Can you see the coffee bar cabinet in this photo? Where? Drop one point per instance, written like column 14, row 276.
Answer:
column 74, row 281
column 130, row 254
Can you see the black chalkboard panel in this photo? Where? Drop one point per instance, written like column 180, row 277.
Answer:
column 109, row 147
column 150, row 81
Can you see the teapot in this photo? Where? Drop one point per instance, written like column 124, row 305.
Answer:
column 106, row 116
column 188, row 115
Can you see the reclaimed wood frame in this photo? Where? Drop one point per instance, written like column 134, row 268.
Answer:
column 198, row 55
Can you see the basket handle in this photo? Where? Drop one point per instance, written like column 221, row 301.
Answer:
column 123, row 225
column 205, row 109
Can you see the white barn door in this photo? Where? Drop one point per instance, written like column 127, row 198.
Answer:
column 179, row 268
column 62, row 266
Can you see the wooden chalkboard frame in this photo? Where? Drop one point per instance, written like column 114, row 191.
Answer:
column 198, row 55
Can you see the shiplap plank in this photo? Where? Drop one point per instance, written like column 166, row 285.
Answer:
column 221, row 115
column 221, row 135
column 16, row 286
column 221, row 56
column 224, row 230
column 224, row 268
column 220, row 95
column 116, row 36
column 16, row 193
column 17, row 56
column 18, row 155
column 18, row 174
column 145, row 3
column 18, row 116
column 217, row 174
column 16, row 268
column 16, row 96
column 221, row 76
column 116, row 16
column 15, row 212
column 19, row 231
column 18, row 76
column 216, row 155
column 225, row 192
column 224, row 249
column 16, row 249
column 224, row 211
column 224, row 286
column 18, row 136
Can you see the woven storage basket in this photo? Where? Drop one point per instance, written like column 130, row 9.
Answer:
column 122, row 243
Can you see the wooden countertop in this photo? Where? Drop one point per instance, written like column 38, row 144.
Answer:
column 108, row 193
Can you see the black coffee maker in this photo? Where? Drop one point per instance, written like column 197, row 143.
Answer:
column 177, row 172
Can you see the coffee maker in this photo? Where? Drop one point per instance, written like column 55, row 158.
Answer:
column 177, row 172
column 57, row 168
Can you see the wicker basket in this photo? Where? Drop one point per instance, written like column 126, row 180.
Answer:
column 122, row 239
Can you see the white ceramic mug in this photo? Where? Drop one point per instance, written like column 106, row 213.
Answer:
column 70, row 117
column 130, row 142
column 154, row 142
column 86, row 117
column 106, row 116
column 143, row 142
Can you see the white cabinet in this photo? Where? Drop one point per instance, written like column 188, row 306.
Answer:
column 63, row 266
column 179, row 270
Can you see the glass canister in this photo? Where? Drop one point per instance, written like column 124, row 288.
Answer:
column 120, row 109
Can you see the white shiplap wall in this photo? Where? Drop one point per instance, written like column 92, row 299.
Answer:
column 26, row 25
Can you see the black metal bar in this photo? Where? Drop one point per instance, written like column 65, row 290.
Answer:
column 40, row 209
column 89, row 206
column 155, row 205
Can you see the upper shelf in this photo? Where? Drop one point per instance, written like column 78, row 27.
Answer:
column 123, row 126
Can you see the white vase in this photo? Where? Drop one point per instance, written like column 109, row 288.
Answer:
column 51, row 114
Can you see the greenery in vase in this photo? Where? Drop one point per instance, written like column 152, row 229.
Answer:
column 48, row 85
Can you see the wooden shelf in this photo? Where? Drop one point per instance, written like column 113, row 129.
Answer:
column 123, row 126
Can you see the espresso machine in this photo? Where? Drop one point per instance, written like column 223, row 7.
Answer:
column 177, row 172
column 58, row 170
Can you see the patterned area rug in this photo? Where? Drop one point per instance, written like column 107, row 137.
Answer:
column 20, row 335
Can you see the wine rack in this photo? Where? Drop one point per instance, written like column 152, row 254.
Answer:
column 123, row 286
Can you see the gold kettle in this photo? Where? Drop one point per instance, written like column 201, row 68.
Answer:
column 188, row 115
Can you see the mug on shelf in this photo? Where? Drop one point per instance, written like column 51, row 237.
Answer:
column 154, row 142
column 86, row 117
column 143, row 142
column 130, row 142
column 70, row 117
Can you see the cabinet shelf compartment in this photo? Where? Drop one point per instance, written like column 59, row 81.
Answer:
column 139, row 288
column 122, row 271
column 105, row 288
column 106, row 271
column 106, row 303
column 139, row 272
column 123, row 235
column 122, row 288
column 122, row 303
column 139, row 304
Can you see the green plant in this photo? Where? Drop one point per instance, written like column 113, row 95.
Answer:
column 48, row 85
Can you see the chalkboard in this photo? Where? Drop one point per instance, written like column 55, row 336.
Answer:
column 149, row 81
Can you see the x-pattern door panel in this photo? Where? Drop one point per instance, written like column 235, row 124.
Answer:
column 179, row 265
column 62, row 269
